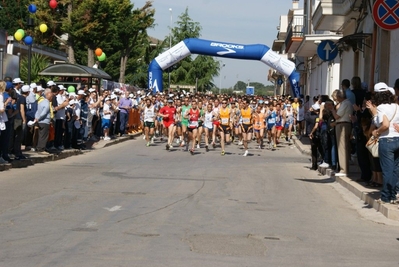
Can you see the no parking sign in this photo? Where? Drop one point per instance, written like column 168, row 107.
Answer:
column 386, row 14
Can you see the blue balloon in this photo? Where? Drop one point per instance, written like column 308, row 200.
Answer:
column 32, row 8
column 28, row 40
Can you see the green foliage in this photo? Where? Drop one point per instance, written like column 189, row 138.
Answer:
column 38, row 63
column 187, row 71
column 13, row 15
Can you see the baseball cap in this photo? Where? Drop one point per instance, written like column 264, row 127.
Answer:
column 316, row 106
column 170, row 100
column 91, row 90
column 131, row 95
column 139, row 92
column 113, row 97
column 382, row 87
column 17, row 80
column 25, row 88
column 50, row 83
column 81, row 92
column 9, row 85
column 107, row 98
column 61, row 87
column 72, row 102
column 39, row 88
column 33, row 85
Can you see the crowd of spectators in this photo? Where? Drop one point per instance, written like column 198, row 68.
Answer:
column 46, row 118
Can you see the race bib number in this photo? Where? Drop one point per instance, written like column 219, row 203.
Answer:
column 272, row 120
column 246, row 120
column 225, row 121
column 193, row 124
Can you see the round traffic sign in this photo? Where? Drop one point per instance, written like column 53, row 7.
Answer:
column 386, row 14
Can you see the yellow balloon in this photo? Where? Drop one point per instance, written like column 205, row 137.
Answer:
column 18, row 36
column 43, row 28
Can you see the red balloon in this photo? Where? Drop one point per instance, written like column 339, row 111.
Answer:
column 53, row 4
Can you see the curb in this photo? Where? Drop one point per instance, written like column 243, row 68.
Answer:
column 36, row 159
column 368, row 195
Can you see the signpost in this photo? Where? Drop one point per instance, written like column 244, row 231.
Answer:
column 250, row 90
column 386, row 14
column 327, row 50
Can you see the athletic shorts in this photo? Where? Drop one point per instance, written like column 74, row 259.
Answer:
column 256, row 130
column 200, row 123
column 270, row 126
column 225, row 128
column 168, row 123
column 246, row 128
column 279, row 128
column 149, row 124
column 184, row 123
column 191, row 129
column 178, row 124
column 105, row 123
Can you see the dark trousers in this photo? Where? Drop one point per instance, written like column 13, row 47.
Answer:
column 18, row 135
column 44, row 129
column 316, row 148
column 68, row 134
column 59, row 133
column 124, row 117
column 5, row 141
column 363, row 159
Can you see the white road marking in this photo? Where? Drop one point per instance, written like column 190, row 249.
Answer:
column 115, row 208
column 91, row 224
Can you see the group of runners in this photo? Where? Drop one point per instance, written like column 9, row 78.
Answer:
column 185, row 120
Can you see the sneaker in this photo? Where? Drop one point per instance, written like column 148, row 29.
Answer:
column 170, row 146
column 206, row 148
column 143, row 137
column 152, row 140
column 245, row 153
column 223, row 153
column 3, row 161
column 213, row 144
column 274, row 146
column 324, row 165
column 148, row 144
column 45, row 153
column 240, row 143
column 167, row 146
column 198, row 146
column 28, row 148
column 107, row 138
column 259, row 147
column 33, row 149
column 21, row 157
column 60, row 148
column 192, row 151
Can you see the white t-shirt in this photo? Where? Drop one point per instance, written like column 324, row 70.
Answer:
column 3, row 115
column 149, row 114
column 389, row 111
column 106, row 108
column 60, row 114
column 300, row 112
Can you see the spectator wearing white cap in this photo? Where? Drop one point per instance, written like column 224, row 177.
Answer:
column 17, row 83
column 43, row 118
column 125, row 106
column 60, row 117
column 106, row 119
column 93, row 116
column 79, row 129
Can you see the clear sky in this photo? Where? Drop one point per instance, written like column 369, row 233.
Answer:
column 235, row 21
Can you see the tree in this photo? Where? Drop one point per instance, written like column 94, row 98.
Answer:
column 189, row 70
column 38, row 63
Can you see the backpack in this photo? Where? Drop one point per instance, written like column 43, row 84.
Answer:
column 31, row 109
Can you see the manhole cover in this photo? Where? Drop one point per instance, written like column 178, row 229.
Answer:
column 227, row 245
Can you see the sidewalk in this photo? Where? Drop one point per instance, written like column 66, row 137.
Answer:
column 358, row 188
column 34, row 158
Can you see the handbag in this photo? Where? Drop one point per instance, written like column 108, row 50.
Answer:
column 372, row 143
column 372, row 146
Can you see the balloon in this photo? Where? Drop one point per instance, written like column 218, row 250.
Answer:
column 53, row 4
column 18, row 36
column 98, row 52
column 28, row 40
column 102, row 57
column 22, row 32
column 43, row 28
column 32, row 8
column 71, row 89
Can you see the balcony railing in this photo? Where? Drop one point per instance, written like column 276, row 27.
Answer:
column 295, row 28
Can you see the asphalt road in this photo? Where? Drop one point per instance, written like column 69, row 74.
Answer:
column 131, row 205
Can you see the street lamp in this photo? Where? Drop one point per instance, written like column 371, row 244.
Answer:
column 220, row 79
column 170, row 38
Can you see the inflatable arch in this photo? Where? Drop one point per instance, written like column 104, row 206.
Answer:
column 220, row 49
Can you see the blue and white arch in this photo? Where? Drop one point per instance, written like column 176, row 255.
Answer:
column 220, row 49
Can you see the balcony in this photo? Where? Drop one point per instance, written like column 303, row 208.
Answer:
column 294, row 33
column 335, row 15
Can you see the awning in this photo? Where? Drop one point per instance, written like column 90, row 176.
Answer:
column 74, row 70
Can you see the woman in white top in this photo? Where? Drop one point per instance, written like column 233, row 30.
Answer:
column 385, row 116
